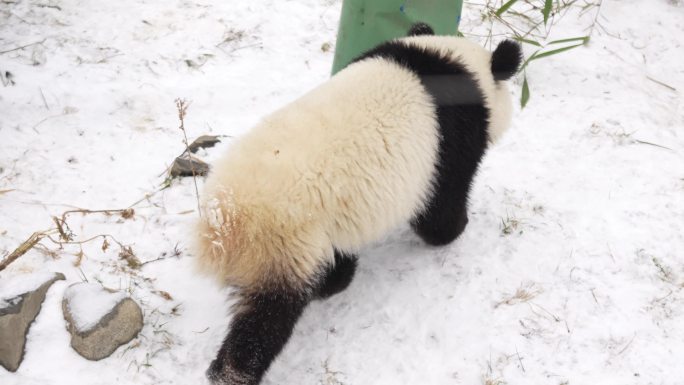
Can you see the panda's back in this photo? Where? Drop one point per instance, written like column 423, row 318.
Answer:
column 339, row 167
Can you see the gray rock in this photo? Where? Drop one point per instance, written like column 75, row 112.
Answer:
column 117, row 327
column 183, row 166
column 204, row 141
column 16, row 315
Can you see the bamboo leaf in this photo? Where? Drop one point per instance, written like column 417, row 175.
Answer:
column 583, row 39
column 525, row 97
column 528, row 41
column 555, row 51
column 538, row 55
column 505, row 7
column 529, row 59
column 522, row 16
column 548, row 4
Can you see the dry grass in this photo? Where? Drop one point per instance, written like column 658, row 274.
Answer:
column 487, row 380
column 65, row 237
column 665, row 273
column 163, row 294
column 621, row 137
column 232, row 36
column 510, row 225
column 330, row 375
column 521, row 295
column 129, row 257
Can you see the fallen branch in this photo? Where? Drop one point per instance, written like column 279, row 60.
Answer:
column 23, row 248
column 148, row 196
column 519, row 359
column 35, row 126
column 22, row 47
column 125, row 213
column 66, row 237
column 176, row 254
column 653, row 144
column 103, row 236
column 57, row 7
column 626, row 346
column 44, row 100
column 661, row 83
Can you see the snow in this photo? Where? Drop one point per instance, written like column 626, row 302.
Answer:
column 16, row 285
column 88, row 303
column 570, row 270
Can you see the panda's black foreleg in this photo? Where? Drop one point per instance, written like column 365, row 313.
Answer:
column 444, row 218
column 261, row 327
column 337, row 276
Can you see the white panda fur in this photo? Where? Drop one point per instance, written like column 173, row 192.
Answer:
column 287, row 192
column 318, row 179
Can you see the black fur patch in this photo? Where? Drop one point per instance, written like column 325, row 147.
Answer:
column 264, row 322
column 258, row 332
column 463, row 120
column 420, row 29
column 506, row 60
column 337, row 277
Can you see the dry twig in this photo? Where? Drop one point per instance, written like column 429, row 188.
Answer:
column 23, row 248
column 22, row 47
column 182, row 107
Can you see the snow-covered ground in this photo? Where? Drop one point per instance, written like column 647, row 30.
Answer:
column 571, row 270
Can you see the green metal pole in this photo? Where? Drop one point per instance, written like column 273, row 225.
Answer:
column 367, row 23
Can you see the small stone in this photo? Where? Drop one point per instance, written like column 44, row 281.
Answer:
column 188, row 167
column 99, row 320
column 21, row 298
column 204, row 141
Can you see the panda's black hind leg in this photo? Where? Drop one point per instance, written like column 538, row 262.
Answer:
column 262, row 324
column 443, row 220
column 337, row 277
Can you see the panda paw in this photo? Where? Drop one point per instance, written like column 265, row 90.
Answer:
column 337, row 277
column 220, row 374
column 441, row 231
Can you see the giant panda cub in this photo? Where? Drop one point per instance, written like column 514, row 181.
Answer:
column 395, row 137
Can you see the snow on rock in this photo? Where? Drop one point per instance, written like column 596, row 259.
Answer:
column 13, row 287
column 88, row 303
column 99, row 320
column 21, row 297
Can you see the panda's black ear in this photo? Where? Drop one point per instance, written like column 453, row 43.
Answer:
column 420, row 29
column 506, row 59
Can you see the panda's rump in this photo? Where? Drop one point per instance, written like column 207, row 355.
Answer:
column 337, row 168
